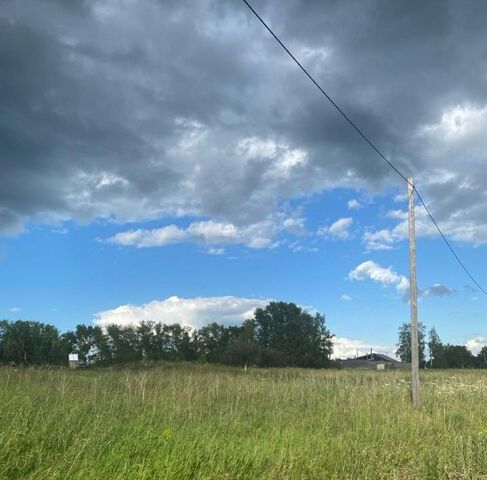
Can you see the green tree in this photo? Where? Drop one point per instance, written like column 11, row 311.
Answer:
column 146, row 340
column 3, row 327
column 458, row 356
column 182, row 342
column 436, row 350
column 26, row 342
column 281, row 334
column 102, row 345
column 122, row 341
column 482, row 357
column 301, row 338
column 15, row 342
column 404, row 343
column 248, row 330
column 212, row 342
column 85, row 343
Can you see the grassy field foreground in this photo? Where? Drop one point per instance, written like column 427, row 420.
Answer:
column 204, row 422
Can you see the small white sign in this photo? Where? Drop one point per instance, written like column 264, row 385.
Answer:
column 73, row 357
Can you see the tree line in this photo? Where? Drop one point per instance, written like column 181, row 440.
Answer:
column 281, row 334
column 441, row 355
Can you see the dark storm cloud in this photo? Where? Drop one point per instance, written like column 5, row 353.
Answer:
column 138, row 110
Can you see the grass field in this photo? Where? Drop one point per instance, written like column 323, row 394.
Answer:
column 206, row 422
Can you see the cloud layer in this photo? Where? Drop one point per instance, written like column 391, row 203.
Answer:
column 257, row 235
column 130, row 111
column 191, row 312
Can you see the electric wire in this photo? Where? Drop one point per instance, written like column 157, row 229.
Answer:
column 367, row 140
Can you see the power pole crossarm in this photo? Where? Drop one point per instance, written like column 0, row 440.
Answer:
column 413, row 297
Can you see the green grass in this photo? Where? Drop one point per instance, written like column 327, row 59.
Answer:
column 206, row 422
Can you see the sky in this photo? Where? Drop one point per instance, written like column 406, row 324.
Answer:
column 166, row 160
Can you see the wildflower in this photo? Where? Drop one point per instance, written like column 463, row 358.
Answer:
column 167, row 432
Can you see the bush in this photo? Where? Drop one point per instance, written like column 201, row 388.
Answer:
column 241, row 352
column 270, row 357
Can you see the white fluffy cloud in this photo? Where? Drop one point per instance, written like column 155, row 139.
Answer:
column 338, row 230
column 370, row 270
column 345, row 298
column 284, row 157
column 259, row 235
column 385, row 239
column 475, row 344
column 149, row 238
column 354, row 204
column 347, row 348
column 192, row 312
column 458, row 127
column 373, row 271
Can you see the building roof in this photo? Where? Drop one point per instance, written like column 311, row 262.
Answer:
column 376, row 357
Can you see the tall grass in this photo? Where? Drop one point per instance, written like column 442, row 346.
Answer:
column 206, row 422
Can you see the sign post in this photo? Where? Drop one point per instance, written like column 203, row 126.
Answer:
column 73, row 360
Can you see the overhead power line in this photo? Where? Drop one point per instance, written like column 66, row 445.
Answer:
column 369, row 142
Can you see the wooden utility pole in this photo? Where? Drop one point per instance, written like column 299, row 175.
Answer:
column 413, row 298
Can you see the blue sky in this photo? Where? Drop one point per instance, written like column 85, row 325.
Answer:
column 166, row 161
column 65, row 276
